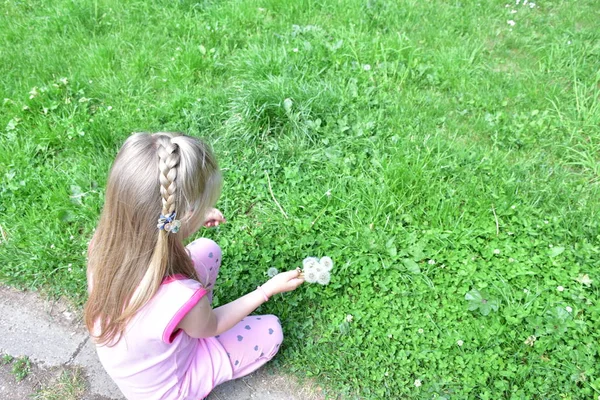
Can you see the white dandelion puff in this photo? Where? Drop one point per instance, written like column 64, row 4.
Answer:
column 323, row 277
column 271, row 272
column 310, row 262
column 310, row 275
column 460, row 343
column 327, row 263
column 367, row 67
column 569, row 309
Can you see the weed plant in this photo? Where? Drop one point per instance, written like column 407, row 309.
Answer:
column 445, row 154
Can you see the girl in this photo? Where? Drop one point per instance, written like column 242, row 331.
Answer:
column 149, row 307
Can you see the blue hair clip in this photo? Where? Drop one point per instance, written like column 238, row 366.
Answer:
column 169, row 223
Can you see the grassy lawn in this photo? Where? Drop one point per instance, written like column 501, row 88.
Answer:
column 445, row 154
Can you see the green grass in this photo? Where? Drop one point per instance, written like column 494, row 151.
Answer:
column 69, row 385
column 461, row 154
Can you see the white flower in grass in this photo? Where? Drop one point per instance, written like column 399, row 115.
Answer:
column 496, row 251
column 271, row 272
column 310, row 262
column 511, row 22
column 323, row 277
column 560, row 288
column 310, row 275
column 349, row 318
column 585, row 280
column 367, row 67
column 569, row 309
column 418, row 383
column 33, row 92
column 327, row 263
column 460, row 343
column 530, row 341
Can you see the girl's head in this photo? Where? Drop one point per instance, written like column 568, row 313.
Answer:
column 153, row 175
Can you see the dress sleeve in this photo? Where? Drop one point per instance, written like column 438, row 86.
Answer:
column 175, row 298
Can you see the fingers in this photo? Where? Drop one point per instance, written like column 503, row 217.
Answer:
column 213, row 218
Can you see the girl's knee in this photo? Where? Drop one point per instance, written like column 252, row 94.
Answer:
column 204, row 250
column 274, row 330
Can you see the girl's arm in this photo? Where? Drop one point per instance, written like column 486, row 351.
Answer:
column 202, row 321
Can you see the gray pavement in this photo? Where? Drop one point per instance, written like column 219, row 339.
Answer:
column 52, row 335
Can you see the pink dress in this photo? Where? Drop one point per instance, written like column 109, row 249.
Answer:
column 154, row 361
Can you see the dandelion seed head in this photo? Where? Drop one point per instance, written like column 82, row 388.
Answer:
column 310, row 262
column 310, row 275
column 326, row 263
column 271, row 272
column 323, row 277
column 569, row 309
column 460, row 343
column 420, row 330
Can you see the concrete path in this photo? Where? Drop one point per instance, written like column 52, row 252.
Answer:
column 52, row 335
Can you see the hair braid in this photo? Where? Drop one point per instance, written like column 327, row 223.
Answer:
column 168, row 155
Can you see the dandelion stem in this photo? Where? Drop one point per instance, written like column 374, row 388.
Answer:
column 273, row 196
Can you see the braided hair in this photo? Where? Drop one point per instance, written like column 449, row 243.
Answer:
column 154, row 175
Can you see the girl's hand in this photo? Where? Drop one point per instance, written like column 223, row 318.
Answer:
column 213, row 218
column 283, row 282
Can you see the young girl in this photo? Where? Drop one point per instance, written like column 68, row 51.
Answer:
column 149, row 307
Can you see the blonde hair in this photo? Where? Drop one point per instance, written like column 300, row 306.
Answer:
column 153, row 174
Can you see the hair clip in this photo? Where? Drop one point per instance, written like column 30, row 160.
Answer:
column 169, row 223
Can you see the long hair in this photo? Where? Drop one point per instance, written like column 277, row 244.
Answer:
column 153, row 174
